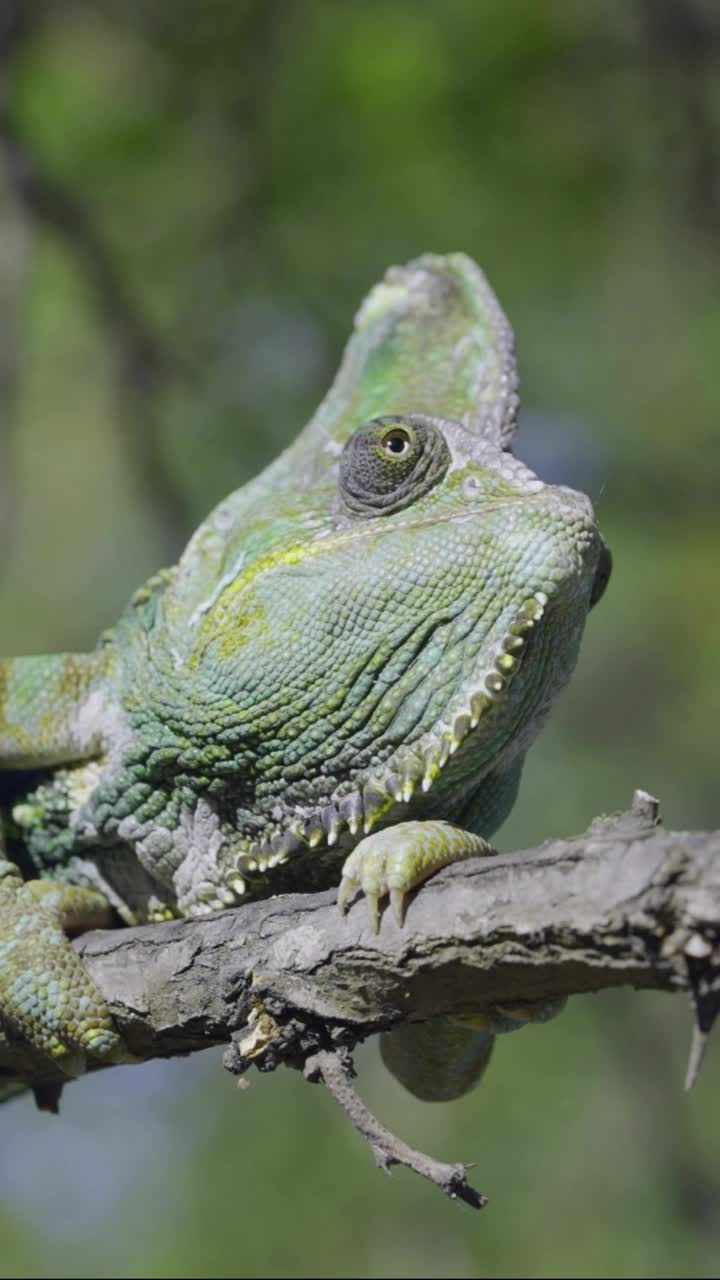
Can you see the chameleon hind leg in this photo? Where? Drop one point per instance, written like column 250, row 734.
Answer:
column 46, row 995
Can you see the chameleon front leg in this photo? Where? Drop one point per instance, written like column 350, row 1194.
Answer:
column 441, row 1058
column 46, row 995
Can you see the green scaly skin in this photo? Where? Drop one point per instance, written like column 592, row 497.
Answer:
column 346, row 667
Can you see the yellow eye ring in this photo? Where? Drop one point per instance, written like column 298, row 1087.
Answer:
column 396, row 442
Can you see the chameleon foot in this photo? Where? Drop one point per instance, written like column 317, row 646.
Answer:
column 397, row 859
column 45, row 993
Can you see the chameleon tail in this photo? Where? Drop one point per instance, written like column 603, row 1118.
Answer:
column 50, row 709
column 440, row 1059
column 13, row 1089
column 443, row 1058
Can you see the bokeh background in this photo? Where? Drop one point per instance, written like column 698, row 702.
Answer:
column 194, row 198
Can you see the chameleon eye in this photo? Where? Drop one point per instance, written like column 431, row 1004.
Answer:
column 389, row 463
column 396, row 442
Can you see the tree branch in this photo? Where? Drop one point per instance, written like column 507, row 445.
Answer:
column 283, row 980
column 336, row 1072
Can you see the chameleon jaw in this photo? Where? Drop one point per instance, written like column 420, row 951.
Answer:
column 356, row 813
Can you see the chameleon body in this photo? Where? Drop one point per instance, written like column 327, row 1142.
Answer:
column 340, row 677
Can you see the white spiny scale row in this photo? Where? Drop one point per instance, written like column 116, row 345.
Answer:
column 359, row 811
column 491, row 688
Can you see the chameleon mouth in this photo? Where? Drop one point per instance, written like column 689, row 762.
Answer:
column 382, row 795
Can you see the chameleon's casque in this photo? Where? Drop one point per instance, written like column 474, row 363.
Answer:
column 365, row 639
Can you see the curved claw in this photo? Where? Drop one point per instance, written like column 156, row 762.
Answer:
column 347, row 888
column 373, row 902
column 397, row 859
column 397, row 902
column 348, row 885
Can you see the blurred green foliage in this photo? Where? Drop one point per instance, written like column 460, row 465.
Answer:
column 193, row 200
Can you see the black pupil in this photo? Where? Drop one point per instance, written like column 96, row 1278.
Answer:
column 396, row 444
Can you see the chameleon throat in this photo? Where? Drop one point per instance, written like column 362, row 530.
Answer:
column 373, row 795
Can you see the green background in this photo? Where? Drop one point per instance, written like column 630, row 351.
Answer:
column 194, row 198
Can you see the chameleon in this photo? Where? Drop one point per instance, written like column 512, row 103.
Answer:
column 339, row 680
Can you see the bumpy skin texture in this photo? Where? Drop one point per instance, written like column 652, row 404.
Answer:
column 366, row 638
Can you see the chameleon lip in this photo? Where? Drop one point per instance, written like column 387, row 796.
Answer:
column 411, row 770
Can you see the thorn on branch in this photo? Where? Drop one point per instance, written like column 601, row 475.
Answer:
column 336, row 1071
column 696, row 1057
column 706, row 1004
